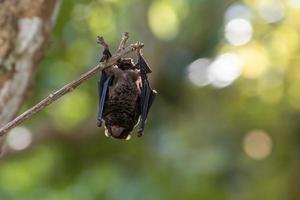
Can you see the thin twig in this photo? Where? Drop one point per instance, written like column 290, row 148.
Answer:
column 124, row 39
column 69, row 87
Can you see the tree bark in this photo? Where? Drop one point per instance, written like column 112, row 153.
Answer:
column 25, row 27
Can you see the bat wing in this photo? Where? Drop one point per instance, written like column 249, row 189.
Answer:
column 103, row 88
column 147, row 94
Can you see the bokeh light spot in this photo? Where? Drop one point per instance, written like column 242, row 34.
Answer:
column 69, row 111
column 19, row 138
column 102, row 18
column 238, row 32
column 237, row 10
column 294, row 3
column 271, row 11
column 248, row 54
column 197, row 72
column 224, row 70
column 181, row 7
column 257, row 144
column 163, row 20
column 284, row 42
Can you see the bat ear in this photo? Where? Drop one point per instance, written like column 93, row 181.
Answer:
column 128, row 136
column 106, row 132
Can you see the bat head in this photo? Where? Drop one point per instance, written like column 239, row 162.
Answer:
column 118, row 126
column 118, row 132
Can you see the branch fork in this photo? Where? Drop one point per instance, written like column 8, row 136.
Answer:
column 121, row 51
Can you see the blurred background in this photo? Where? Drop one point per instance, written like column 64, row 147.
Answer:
column 225, row 125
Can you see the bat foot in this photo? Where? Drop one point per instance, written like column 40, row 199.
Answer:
column 100, row 40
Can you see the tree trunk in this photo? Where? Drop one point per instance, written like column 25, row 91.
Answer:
column 25, row 27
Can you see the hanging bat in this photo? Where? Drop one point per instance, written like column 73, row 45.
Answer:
column 125, row 96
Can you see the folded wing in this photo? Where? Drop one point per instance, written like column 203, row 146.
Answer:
column 147, row 94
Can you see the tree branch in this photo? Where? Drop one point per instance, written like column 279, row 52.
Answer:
column 123, row 41
column 70, row 86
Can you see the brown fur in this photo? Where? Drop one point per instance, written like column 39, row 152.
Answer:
column 122, row 105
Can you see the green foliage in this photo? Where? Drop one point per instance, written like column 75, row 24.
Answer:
column 206, row 140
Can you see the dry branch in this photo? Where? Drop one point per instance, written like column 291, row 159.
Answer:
column 73, row 84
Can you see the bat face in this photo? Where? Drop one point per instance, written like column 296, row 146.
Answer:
column 125, row 96
column 117, row 132
column 119, row 124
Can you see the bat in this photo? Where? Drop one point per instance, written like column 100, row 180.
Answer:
column 125, row 96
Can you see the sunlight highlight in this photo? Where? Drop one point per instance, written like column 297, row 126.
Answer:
column 237, row 10
column 257, row 144
column 294, row 3
column 254, row 52
column 271, row 11
column 224, row 70
column 238, row 31
column 19, row 138
column 197, row 72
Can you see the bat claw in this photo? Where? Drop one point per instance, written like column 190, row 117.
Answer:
column 137, row 45
column 125, row 35
column 101, row 41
